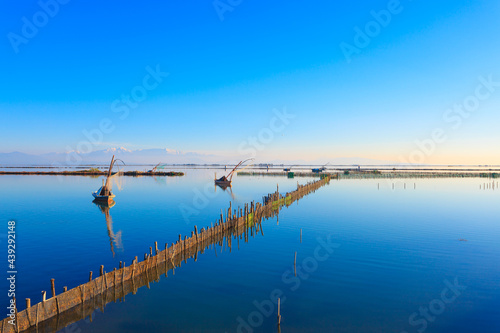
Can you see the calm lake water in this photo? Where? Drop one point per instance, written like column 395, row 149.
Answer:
column 372, row 258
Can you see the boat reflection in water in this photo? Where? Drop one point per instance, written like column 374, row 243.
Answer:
column 115, row 239
column 225, row 189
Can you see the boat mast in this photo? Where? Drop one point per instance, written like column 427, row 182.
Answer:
column 105, row 189
column 230, row 175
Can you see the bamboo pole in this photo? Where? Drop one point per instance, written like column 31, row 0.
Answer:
column 53, row 287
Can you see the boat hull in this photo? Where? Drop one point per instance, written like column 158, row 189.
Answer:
column 103, row 198
column 223, row 183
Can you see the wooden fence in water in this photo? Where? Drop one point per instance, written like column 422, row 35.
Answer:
column 76, row 304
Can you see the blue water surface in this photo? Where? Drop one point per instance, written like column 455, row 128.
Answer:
column 373, row 258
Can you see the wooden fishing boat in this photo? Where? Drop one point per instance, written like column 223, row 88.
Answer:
column 103, row 205
column 225, row 181
column 104, row 194
column 101, row 195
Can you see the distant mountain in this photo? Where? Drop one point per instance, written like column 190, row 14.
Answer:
column 354, row 161
column 347, row 161
column 18, row 158
column 167, row 156
column 139, row 156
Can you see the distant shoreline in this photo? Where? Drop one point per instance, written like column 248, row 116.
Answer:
column 91, row 173
column 377, row 174
column 275, row 167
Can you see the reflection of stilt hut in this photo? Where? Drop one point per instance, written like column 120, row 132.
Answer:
column 224, row 188
column 225, row 181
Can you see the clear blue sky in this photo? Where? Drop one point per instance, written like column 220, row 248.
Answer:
column 226, row 77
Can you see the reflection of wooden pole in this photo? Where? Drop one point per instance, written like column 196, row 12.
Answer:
column 295, row 264
column 37, row 308
column 301, row 235
column 279, row 312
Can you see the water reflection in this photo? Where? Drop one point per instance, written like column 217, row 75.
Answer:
column 115, row 239
column 114, row 286
column 225, row 188
column 160, row 180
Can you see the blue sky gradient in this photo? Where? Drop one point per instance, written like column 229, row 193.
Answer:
column 227, row 76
